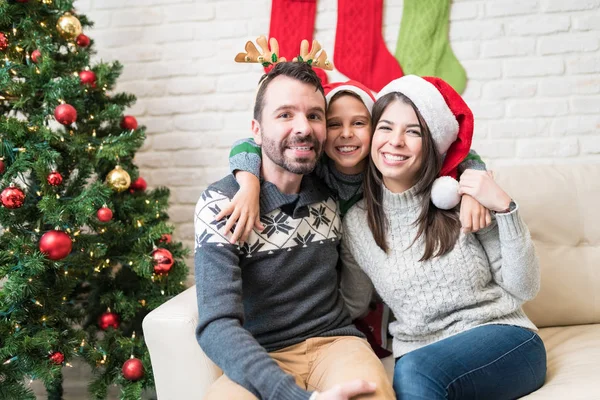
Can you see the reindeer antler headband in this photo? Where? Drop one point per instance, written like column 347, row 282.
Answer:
column 269, row 55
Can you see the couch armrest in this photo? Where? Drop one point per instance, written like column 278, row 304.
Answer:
column 181, row 369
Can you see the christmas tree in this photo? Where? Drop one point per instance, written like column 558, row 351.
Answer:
column 85, row 249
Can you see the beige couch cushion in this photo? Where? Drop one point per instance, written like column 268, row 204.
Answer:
column 573, row 363
column 560, row 205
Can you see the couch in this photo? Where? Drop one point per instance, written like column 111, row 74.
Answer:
column 561, row 207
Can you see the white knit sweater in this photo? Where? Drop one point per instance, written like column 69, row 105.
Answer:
column 484, row 280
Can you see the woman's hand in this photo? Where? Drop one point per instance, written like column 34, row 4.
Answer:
column 473, row 216
column 244, row 208
column 483, row 188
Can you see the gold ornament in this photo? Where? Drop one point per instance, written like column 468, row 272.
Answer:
column 118, row 179
column 69, row 26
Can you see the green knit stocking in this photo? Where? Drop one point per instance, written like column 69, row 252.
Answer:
column 423, row 47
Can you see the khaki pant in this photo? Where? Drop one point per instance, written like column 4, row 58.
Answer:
column 319, row 364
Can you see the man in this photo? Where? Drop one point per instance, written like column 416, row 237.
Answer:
column 270, row 314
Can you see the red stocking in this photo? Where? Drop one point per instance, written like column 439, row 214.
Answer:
column 360, row 51
column 291, row 22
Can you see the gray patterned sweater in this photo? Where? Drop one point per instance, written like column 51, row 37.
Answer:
column 485, row 279
column 278, row 289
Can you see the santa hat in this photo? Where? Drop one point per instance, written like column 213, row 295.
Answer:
column 351, row 86
column 450, row 122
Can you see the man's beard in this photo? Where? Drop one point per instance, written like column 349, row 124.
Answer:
column 297, row 165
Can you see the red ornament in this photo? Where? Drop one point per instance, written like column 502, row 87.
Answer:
column 104, row 214
column 88, row 78
column 2, row 166
column 165, row 238
column 56, row 245
column 54, row 179
column 139, row 185
column 12, row 197
column 133, row 369
column 108, row 320
column 65, row 114
column 57, row 357
column 36, row 56
column 129, row 122
column 82, row 41
column 162, row 260
column 3, row 42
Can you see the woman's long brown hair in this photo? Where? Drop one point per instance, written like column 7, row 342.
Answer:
column 440, row 228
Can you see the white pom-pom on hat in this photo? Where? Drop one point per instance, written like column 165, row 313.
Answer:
column 444, row 193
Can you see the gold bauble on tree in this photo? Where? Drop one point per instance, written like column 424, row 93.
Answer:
column 69, row 26
column 118, row 179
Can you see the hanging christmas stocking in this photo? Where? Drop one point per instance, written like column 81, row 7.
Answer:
column 291, row 22
column 423, row 47
column 360, row 51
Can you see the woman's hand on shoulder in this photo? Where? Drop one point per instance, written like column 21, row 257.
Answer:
column 482, row 187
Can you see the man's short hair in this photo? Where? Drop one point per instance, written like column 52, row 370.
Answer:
column 300, row 71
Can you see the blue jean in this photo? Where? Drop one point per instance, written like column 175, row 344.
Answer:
column 487, row 362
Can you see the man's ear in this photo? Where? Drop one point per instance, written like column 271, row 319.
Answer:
column 256, row 132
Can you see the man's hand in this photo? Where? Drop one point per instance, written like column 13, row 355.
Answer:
column 482, row 187
column 244, row 208
column 473, row 216
column 348, row 390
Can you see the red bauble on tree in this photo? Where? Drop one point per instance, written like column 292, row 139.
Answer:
column 129, row 122
column 133, row 369
column 162, row 260
column 55, row 178
column 56, row 245
column 165, row 238
column 3, row 42
column 65, row 114
column 88, row 78
column 108, row 320
column 82, row 40
column 139, row 185
column 2, row 166
column 104, row 214
column 12, row 197
column 36, row 56
column 57, row 357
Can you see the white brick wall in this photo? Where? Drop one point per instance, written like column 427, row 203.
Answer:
column 534, row 69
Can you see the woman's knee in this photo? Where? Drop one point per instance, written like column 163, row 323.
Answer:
column 416, row 377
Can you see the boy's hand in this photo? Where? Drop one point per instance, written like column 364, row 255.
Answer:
column 244, row 209
column 347, row 390
column 473, row 216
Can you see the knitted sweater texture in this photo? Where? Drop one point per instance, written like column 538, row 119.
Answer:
column 485, row 279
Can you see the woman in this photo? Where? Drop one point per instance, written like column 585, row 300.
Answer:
column 460, row 331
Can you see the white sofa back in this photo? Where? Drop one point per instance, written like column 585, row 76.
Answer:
column 561, row 206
